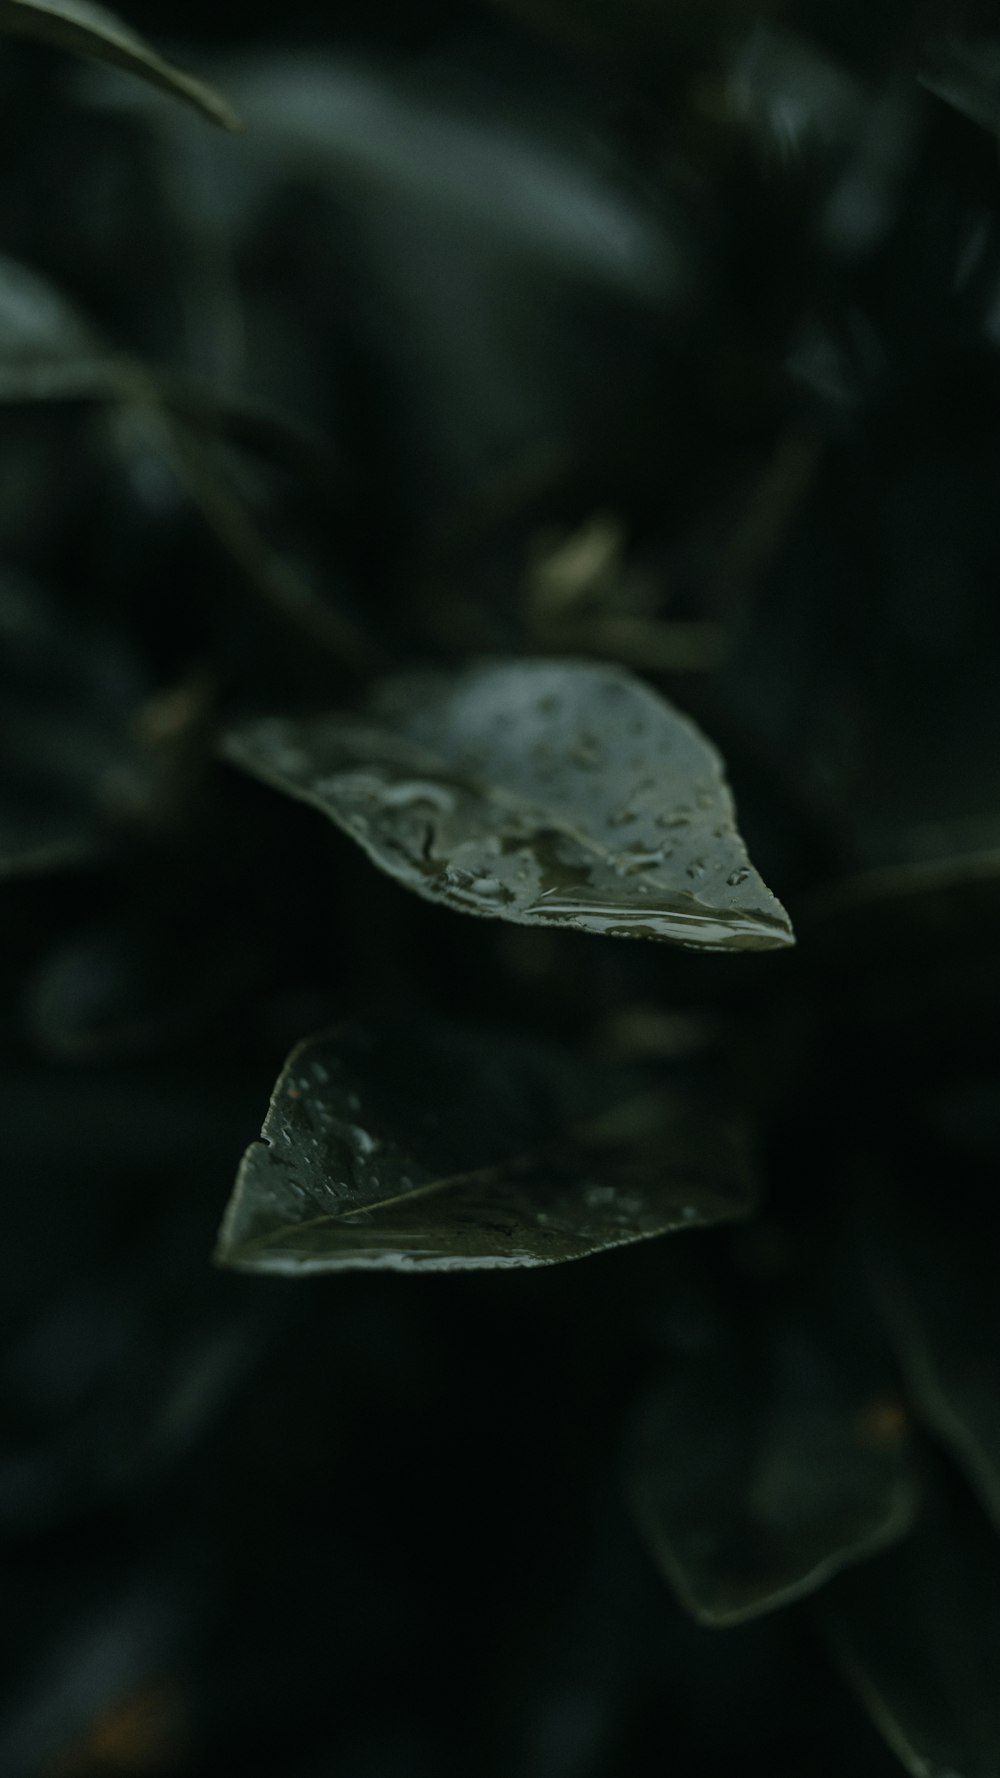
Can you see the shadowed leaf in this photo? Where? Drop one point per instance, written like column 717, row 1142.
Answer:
column 551, row 793
column 939, row 1292
column 918, row 1635
column 770, row 1456
column 442, row 1149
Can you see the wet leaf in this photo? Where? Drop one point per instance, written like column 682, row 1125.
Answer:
column 918, row 1635
column 72, row 764
column 552, row 793
column 444, row 1149
column 769, row 1457
column 90, row 31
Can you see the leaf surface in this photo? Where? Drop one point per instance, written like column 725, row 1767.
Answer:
column 770, row 1456
column 442, row 1149
column 546, row 792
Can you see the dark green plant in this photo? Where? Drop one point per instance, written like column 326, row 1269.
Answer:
column 523, row 395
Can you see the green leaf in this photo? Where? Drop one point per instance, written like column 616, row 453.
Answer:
column 769, row 1457
column 938, row 1278
column 546, row 792
column 90, row 31
column 442, row 1149
column 918, row 1635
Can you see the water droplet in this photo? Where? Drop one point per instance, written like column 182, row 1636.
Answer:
column 587, row 751
column 410, row 794
column 360, row 1140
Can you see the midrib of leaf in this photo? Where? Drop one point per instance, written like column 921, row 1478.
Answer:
column 496, row 1173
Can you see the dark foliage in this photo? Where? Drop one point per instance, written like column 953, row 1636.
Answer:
column 508, row 397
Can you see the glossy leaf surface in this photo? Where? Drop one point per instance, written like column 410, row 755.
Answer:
column 441, row 1149
column 91, row 31
column 769, row 1457
column 550, row 793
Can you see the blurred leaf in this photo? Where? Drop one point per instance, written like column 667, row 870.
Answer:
column 211, row 484
column 47, row 350
column 73, row 762
column 490, row 166
column 50, row 352
column 903, row 919
column 939, row 1291
column 964, row 71
column 551, row 793
column 770, row 1456
column 105, row 1642
column 792, row 97
column 440, row 1148
column 918, row 1634
column 90, row 31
